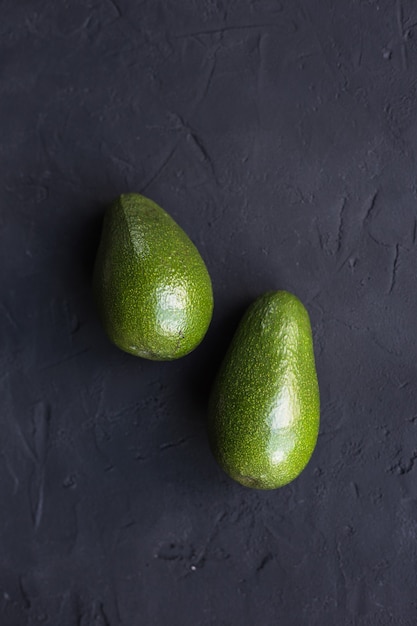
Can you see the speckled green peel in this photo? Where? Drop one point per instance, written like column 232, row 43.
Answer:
column 151, row 285
column 264, row 408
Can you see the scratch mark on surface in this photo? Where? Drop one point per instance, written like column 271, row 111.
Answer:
column 80, row 618
column 40, row 435
column 116, row 7
column 197, row 142
column 115, row 598
column 333, row 244
column 201, row 556
column 12, row 473
column 100, row 617
column 319, row 234
column 394, row 268
column 196, row 139
column 360, row 53
column 209, row 79
column 355, row 489
column 24, row 594
column 25, row 444
column 258, row 79
column 341, row 224
column 41, row 420
column 172, row 551
column 341, row 585
column 383, row 347
column 8, row 316
column 347, row 260
column 121, row 162
column 399, row 13
column 267, row 558
column 174, row 444
column 370, row 210
column 161, row 167
column 259, row 86
column 121, row 412
column 39, row 502
column 225, row 29
column 415, row 231
column 379, row 242
column 351, row 327
column 69, row 357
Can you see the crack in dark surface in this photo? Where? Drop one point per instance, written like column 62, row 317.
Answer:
column 174, row 444
column 116, row 7
column 341, row 228
column 394, row 272
column 161, row 167
column 225, row 29
column 265, row 560
column 371, row 208
column 341, row 582
column 400, row 28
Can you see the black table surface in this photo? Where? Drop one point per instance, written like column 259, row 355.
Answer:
column 281, row 136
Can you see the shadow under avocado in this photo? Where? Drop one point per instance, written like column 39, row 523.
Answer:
column 89, row 239
column 204, row 363
column 86, row 237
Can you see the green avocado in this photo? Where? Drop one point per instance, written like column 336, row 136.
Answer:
column 152, row 288
column 264, row 408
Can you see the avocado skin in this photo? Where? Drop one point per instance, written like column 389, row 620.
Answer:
column 264, row 408
column 152, row 288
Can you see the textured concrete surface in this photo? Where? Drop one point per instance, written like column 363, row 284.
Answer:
column 281, row 136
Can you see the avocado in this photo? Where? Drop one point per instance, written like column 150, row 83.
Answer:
column 152, row 288
column 264, row 407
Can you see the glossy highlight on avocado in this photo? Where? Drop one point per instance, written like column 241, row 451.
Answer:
column 152, row 288
column 264, row 408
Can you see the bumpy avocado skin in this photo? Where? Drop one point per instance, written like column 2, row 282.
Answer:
column 152, row 288
column 264, row 408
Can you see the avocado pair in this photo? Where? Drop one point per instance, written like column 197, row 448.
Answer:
column 155, row 299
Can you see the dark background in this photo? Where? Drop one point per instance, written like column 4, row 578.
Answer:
column 281, row 136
